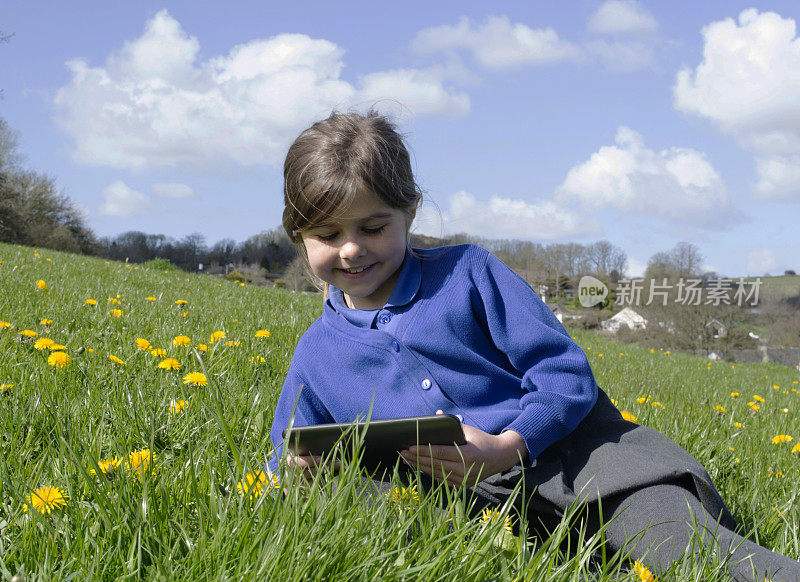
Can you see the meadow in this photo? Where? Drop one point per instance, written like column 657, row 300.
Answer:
column 136, row 407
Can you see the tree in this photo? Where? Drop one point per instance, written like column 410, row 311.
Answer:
column 683, row 261
column 4, row 38
column 32, row 209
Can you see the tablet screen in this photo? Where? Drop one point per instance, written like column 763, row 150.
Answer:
column 382, row 439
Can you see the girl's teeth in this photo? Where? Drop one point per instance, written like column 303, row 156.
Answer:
column 358, row 270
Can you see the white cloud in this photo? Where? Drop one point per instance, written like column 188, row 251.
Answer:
column 121, row 200
column 497, row 43
column 761, row 261
column 675, row 183
column 636, row 268
column 748, row 85
column 503, row 218
column 419, row 91
column 154, row 104
column 500, row 44
column 174, row 190
column 622, row 17
column 625, row 55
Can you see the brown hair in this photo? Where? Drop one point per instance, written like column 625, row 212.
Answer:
column 331, row 160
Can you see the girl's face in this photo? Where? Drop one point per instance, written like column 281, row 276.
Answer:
column 361, row 251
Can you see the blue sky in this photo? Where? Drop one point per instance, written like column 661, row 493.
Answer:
column 644, row 123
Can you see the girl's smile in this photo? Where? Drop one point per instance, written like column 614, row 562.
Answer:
column 361, row 251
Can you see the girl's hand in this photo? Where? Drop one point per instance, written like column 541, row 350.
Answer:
column 483, row 455
column 307, row 466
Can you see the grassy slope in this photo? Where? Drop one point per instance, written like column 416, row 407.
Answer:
column 185, row 518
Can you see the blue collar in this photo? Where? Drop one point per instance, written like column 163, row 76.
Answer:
column 405, row 289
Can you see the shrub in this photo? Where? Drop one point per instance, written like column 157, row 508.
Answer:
column 159, row 264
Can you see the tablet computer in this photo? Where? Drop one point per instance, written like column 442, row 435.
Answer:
column 382, row 439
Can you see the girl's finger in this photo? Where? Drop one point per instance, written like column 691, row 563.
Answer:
column 444, row 452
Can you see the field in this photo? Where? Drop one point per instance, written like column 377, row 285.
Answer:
column 120, row 461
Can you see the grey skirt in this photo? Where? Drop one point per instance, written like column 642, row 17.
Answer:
column 608, row 457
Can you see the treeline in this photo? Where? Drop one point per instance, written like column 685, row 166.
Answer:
column 32, row 209
column 271, row 251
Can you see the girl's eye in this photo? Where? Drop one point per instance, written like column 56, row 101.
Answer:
column 376, row 230
column 326, row 237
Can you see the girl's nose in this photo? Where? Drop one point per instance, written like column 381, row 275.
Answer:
column 351, row 249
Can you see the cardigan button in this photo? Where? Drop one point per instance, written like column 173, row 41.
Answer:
column 395, row 346
column 385, row 318
column 426, row 384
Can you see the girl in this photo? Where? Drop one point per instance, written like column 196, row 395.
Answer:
column 413, row 332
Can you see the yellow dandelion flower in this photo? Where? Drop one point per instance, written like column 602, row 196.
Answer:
column 140, row 461
column 142, row 343
column 158, row 352
column 202, row 347
column 781, row 439
column 263, row 333
column 776, row 387
column 795, row 449
column 181, row 340
column 628, row 416
column 195, row 378
column 177, row 406
column 257, row 360
column 46, row 321
column 490, row 516
column 5, row 325
column 115, row 313
column 107, row 466
column 614, row 402
column 28, row 333
column 255, row 483
column 643, row 573
column 643, row 399
column 657, row 404
column 91, row 302
column 58, row 359
column 734, row 395
column 404, row 495
column 116, row 360
column 738, row 425
column 41, row 284
column 45, row 499
column 56, row 347
column 757, row 398
column 216, row 336
column 181, row 302
column 43, row 343
column 113, row 300
column 719, row 408
column 169, row 364
column 232, row 343
column 151, row 298
column 6, row 387
column 755, row 407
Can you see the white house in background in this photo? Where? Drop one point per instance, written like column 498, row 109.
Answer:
column 718, row 328
column 627, row 317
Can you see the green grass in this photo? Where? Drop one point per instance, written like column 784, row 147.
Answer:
column 183, row 516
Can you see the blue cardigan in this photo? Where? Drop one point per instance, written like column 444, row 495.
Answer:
column 461, row 333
